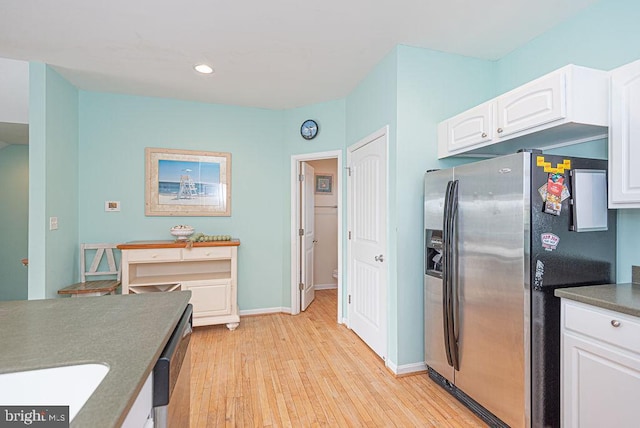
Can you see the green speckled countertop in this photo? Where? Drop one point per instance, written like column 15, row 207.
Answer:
column 624, row 298
column 127, row 333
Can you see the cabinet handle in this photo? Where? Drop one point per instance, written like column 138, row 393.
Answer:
column 153, row 256
column 484, row 135
column 499, row 130
column 615, row 323
column 207, row 254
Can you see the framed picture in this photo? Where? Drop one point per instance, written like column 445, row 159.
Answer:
column 324, row 184
column 187, row 183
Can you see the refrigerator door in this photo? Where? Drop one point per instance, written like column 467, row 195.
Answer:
column 434, row 198
column 492, row 285
column 561, row 258
column 565, row 258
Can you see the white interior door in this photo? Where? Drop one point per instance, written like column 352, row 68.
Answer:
column 308, row 236
column 367, row 262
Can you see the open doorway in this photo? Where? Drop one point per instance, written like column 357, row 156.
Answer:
column 14, row 178
column 14, row 215
column 316, row 227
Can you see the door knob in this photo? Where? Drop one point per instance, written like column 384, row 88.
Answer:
column 379, row 258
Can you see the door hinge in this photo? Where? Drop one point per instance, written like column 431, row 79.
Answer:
column 300, row 177
column 300, row 232
column 301, row 286
column 348, row 168
column 349, row 234
column 349, row 298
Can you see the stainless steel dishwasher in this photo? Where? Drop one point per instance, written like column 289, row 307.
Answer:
column 172, row 377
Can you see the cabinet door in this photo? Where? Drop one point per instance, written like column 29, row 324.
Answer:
column 210, row 298
column 470, row 128
column 624, row 137
column 600, row 384
column 536, row 103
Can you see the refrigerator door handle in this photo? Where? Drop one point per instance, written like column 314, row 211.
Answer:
column 446, row 273
column 453, row 277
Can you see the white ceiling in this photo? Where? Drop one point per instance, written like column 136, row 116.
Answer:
column 273, row 54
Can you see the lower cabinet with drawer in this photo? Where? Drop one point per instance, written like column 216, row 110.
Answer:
column 600, row 367
column 207, row 269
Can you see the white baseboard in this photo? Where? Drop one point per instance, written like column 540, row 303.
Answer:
column 326, row 286
column 264, row 311
column 407, row 368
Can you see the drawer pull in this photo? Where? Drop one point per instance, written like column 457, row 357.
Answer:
column 207, row 254
column 484, row 135
column 615, row 323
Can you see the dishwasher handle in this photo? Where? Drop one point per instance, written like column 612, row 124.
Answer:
column 167, row 368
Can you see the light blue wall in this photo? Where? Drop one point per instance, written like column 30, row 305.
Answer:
column 53, row 181
column 431, row 87
column 603, row 36
column 371, row 106
column 411, row 90
column 14, row 214
column 330, row 117
column 114, row 131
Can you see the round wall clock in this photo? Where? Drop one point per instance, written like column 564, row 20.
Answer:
column 309, row 129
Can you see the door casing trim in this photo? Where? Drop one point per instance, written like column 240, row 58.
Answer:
column 295, row 222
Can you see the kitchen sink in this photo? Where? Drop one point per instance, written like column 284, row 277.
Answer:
column 57, row 386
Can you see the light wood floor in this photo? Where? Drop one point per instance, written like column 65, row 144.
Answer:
column 307, row 371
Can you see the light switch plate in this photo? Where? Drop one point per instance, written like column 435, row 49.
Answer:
column 112, row 205
column 53, row 223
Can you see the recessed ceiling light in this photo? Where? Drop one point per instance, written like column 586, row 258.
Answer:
column 203, row 68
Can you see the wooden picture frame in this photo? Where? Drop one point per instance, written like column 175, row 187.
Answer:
column 324, row 184
column 187, row 183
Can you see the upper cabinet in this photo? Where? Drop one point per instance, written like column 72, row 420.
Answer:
column 624, row 137
column 473, row 128
column 536, row 103
column 567, row 105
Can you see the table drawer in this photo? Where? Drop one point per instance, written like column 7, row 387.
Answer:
column 154, row 255
column 608, row 326
column 206, row 253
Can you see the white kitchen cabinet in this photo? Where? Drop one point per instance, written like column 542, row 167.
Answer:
column 537, row 103
column 207, row 269
column 624, row 137
column 564, row 106
column 142, row 408
column 469, row 129
column 600, row 367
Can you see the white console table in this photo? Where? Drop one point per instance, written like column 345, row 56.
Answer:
column 207, row 269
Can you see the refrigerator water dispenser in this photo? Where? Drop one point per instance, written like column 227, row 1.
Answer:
column 433, row 253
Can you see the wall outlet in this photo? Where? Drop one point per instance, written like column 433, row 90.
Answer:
column 112, row 205
column 53, row 223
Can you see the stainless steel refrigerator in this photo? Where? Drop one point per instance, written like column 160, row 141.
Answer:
column 500, row 236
